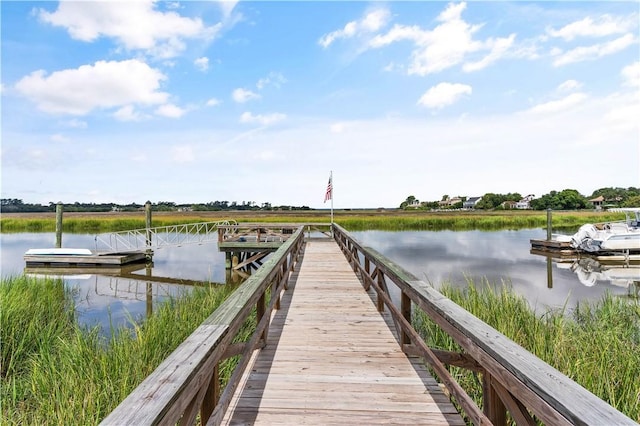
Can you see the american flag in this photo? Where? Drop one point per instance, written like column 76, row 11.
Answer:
column 327, row 195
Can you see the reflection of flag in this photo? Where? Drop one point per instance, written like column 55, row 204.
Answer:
column 327, row 195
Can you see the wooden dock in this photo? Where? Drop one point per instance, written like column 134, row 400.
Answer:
column 323, row 351
column 331, row 357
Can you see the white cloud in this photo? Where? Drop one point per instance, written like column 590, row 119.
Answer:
column 182, row 154
column 102, row 85
column 241, row 95
column 559, row 105
column 447, row 45
column 202, row 63
column 498, row 46
column 569, row 86
column 213, row 102
column 128, row 113
column 76, row 124
column 134, row 25
column 338, row 127
column 631, row 75
column 390, row 67
column 274, row 79
column 584, row 53
column 444, row 94
column 170, row 111
column 588, row 27
column 264, row 156
column 59, row 138
column 371, row 22
column 227, row 7
column 265, row 120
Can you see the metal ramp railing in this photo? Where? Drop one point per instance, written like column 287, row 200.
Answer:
column 161, row 236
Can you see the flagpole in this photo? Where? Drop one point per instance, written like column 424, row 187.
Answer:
column 331, row 180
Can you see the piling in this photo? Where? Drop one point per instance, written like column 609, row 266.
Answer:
column 147, row 213
column 548, row 224
column 59, row 225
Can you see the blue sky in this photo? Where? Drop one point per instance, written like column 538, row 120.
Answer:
column 258, row 101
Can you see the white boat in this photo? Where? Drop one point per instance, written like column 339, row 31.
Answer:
column 610, row 236
column 58, row 252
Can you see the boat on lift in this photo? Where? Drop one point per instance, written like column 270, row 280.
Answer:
column 617, row 236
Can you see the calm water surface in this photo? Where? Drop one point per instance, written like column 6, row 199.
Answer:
column 435, row 257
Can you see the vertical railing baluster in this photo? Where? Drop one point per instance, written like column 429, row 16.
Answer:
column 212, row 396
column 492, row 405
column 405, row 308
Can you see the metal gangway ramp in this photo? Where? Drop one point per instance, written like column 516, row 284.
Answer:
column 161, row 236
column 331, row 358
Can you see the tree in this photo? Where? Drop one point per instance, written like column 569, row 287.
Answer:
column 568, row 199
column 632, row 201
column 408, row 202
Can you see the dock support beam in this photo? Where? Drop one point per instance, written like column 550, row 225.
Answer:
column 59, row 225
column 147, row 214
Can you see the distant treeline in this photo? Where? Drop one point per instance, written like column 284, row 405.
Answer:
column 14, row 205
column 567, row 199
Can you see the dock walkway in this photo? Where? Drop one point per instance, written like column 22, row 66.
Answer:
column 331, row 358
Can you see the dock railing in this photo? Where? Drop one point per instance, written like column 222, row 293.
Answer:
column 186, row 384
column 513, row 379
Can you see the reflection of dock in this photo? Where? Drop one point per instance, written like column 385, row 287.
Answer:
column 621, row 270
column 120, row 270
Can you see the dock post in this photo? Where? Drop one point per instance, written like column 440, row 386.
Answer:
column 147, row 213
column 548, row 224
column 59, row 225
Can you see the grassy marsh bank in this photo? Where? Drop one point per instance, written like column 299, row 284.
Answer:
column 59, row 373
column 54, row 372
column 355, row 220
column 597, row 345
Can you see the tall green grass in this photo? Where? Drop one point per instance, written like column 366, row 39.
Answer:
column 55, row 372
column 596, row 344
column 354, row 221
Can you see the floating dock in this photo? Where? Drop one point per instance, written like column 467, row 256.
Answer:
column 553, row 248
column 105, row 259
column 564, row 251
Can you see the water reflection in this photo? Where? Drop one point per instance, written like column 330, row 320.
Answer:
column 590, row 272
column 495, row 257
column 115, row 296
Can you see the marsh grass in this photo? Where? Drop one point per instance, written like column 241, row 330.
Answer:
column 596, row 344
column 59, row 373
column 351, row 220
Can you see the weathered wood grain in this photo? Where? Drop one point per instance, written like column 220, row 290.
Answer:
column 552, row 396
column 332, row 358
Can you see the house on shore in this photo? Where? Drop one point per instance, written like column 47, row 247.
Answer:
column 471, row 203
column 509, row 205
column 449, row 202
column 525, row 203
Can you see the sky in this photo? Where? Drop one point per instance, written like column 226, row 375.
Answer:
column 259, row 101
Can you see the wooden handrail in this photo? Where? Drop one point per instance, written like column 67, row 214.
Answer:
column 515, row 379
column 185, row 383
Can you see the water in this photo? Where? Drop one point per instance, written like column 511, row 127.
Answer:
column 435, row 257
column 500, row 257
column 107, row 300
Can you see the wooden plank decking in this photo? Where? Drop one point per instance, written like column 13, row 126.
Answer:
column 331, row 358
